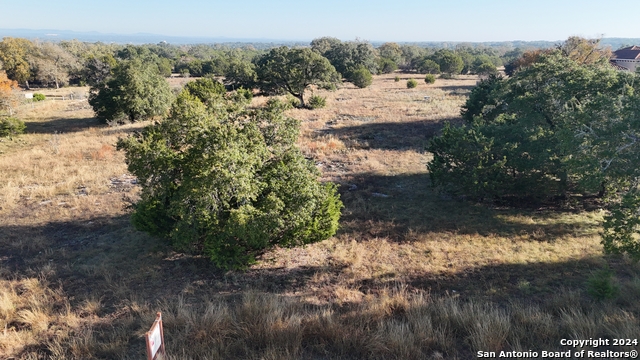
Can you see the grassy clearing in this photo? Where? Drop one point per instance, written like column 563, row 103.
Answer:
column 412, row 274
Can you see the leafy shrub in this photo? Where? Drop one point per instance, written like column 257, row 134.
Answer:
column 245, row 93
column 229, row 182
column 10, row 126
column 317, row 102
column 205, row 89
column 411, row 83
column 601, row 285
column 293, row 102
column 447, row 76
column 361, row 77
column 486, row 69
column 448, row 61
column 387, row 66
column 396, row 79
column 428, row 66
column 429, row 79
column 136, row 91
column 622, row 226
column 39, row 97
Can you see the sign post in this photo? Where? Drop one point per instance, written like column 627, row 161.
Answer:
column 155, row 339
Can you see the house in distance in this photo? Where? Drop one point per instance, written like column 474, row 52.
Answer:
column 627, row 58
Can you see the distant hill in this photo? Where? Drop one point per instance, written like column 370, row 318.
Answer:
column 617, row 43
column 138, row 38
column 144, row 38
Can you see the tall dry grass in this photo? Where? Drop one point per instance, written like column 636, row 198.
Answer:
column 395, row 324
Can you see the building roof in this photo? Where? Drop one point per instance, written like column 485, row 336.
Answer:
column 628, row 53
column 617, row 67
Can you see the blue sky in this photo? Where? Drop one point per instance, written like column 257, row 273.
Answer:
column 374, row 20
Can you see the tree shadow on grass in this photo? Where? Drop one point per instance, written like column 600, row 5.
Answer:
column 61, row 125
column 391, row 135
column 399, row 207
column 105, row 258
column 453, row 87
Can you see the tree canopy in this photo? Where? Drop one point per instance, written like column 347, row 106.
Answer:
column 293, row 71
column 14, row 54
column 347, row 57
column 136, row 91
column 450, row 62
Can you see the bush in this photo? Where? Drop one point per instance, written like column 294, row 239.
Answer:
column 411, row 83
column 622, row 226
column 10, row 126
column 601, row 285
column 39, row 97
column 247, row 94
column 293, row 102
column 429, row 79
column 396, row 79
column 387, row 66
column 205, row 89
column 428, row 66
column 486, row 69
column 447, row 76
column 361, row 77
column 136, row 91
column 317, row 102
column 228, row 182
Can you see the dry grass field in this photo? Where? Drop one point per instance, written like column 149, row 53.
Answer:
column 411, row 274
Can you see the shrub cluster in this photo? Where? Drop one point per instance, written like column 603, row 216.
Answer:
column 361, row 77
column 136, row 91
column 411, row 83
column 10, row 126
column 228, row 181
column 429, row 78
column 317, row 102
column 39, row 97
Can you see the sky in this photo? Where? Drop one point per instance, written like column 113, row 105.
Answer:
column 372, row 20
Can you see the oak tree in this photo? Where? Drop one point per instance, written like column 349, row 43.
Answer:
column 293, row 71
column 556, row 128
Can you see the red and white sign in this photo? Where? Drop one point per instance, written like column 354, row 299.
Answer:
column 155, row 339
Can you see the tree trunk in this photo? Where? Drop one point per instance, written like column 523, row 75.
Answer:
column 26, row 83
column 603, row 189
column 301, row 98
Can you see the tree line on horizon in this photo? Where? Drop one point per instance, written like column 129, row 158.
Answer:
column 56, row 64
